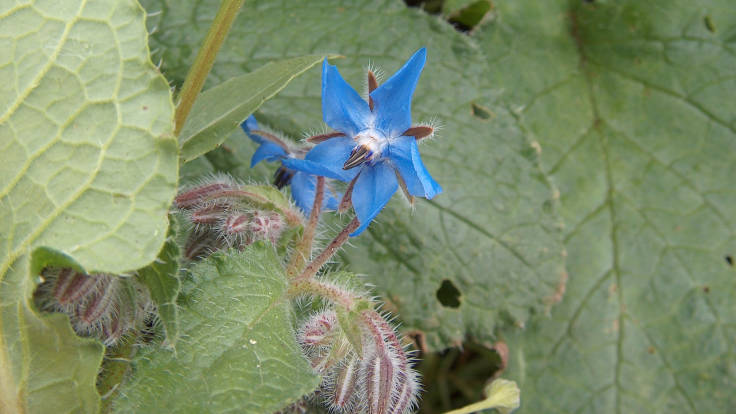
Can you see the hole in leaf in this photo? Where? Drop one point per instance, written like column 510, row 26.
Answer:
column 482, row 113
column 729, row 259
column 429, row 6
column 467, row 18
column 448, row 295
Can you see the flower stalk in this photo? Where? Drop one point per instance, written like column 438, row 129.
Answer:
column 325, row 289
column 304, row 249
column 314, row 266
column 204, row 60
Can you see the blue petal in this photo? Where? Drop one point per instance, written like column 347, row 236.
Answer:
column 331, row 202
column 249, row 125
column 342, row 108
column 303, row 188
column 392, row 100
column 373, row 188
column 404, row 154
column 267, row 151
column 326, row 159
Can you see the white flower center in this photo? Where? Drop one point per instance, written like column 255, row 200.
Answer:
column 373, row 141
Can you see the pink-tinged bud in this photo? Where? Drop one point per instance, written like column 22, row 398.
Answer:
column 318, row 330
column 235, row 230
column 391, row 384
column 406, row 397
column 72, row 286
column 235, row 224
column 379, row 373
column 195, row 196
column 209, row 214
column 380, row 382
column 99, row 305
column 267, row 226
column 343, row 385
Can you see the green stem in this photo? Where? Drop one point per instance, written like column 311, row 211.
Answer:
column 205, row 59
column 315, row 287
column 304, row 249
column 316, row 263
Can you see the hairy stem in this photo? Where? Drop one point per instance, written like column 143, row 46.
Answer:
column 304, row 248
column 314, row 266
column 204, row 60
column 324, row 289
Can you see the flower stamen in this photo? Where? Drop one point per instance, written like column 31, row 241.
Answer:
column 358, row 156
column 282, row 177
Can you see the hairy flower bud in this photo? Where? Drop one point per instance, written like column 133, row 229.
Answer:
column 99, row 304
column 104, row 306
column 223, row 213
column 267, row 226
column 381, row 381
column 71, row 286
column 391, row 384
column 209, row 214
column 379, row 373
column 318, row 330
column 210, row 189
column 343, row 385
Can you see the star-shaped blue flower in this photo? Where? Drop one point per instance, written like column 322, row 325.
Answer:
column 303, row 185
column 378, row 146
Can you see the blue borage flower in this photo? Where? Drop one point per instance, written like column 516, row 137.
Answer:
column 376, row 146
column 271, row 148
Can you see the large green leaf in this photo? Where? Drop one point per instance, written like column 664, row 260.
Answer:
column 632, row 103
column 493, row 236
column 89, row 168
column 237, row 348
column 219, row 110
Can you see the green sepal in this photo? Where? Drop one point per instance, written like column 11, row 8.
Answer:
column 350, row 323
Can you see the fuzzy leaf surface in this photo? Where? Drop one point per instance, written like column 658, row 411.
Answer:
column 632, row 105
column 237, row 346
column 498, row 243
column 89, row 169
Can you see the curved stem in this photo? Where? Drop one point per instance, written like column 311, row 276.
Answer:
column 324, row 289
column 204, row 60
column 313, row 267
column 304, row 249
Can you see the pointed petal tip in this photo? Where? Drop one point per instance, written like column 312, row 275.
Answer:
column 422, row 53
column 392, row 99
column 343, row 109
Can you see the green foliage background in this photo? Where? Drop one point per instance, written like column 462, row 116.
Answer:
column 627, row 103
column 586, row 154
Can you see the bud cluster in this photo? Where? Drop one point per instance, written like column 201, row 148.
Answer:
column 100, row 305
column 376, row 379
column 224, row 215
